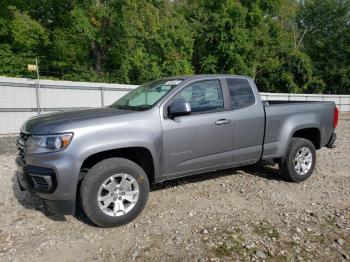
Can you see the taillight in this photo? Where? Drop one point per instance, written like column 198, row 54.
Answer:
column 336, row 116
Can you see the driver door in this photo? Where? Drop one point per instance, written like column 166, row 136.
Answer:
column 203, row 139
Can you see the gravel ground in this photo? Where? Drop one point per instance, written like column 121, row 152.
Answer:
column 246, row 214
column 8, row 144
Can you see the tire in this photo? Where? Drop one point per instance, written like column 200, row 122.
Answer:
column 289, row 167
column 95, row 197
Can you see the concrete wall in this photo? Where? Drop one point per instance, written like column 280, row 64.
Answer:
column 22, row 98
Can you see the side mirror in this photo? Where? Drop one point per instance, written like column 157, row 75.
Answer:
column 179, row 108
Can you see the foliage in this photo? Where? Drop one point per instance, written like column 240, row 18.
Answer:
column 285, row 45
column 327, row 41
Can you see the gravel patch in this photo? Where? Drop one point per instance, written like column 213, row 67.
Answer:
column 246, row 214
column 8, row 144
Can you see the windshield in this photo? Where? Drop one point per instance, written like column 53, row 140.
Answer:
column 146, row 95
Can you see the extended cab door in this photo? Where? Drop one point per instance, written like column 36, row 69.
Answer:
column 202, row 139
column 248, row 118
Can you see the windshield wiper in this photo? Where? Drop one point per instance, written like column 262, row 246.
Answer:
column 123, row 107
column 141, row 108
column 131, row 108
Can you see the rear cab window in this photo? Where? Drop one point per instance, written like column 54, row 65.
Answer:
column 241, row 93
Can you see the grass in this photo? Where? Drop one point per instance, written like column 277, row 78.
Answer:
column 267, row 230
column 231, row 244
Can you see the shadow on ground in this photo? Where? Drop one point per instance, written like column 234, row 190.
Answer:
column 262, row 169
column 30, row 201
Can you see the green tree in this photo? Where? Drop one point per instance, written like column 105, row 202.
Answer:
column 22, row 39
column 153, row 41
column 325, row 27
column 252, row 38
column 285, row 45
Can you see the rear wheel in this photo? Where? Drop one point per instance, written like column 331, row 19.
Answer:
column 114, row 192
column 299, row 162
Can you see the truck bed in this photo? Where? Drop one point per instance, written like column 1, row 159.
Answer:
column 284, row 102
column 282, row 117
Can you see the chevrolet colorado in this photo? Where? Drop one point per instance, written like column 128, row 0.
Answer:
column 106, row 158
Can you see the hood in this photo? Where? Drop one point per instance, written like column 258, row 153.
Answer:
column 45, row 123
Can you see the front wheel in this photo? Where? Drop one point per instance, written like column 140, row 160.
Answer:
column 299, row 162
column 114, row 192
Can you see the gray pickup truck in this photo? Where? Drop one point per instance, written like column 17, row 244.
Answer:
column 106, row 158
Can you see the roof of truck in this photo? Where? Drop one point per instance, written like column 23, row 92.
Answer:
column 186, row 77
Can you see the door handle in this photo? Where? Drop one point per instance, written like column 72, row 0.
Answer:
column 222, row 121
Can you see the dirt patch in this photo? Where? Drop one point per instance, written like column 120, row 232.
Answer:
column 247, row 214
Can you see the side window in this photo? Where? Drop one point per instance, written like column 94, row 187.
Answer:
column 204, row 96
column 241, row 93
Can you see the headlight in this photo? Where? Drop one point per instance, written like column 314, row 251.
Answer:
column 49, row 143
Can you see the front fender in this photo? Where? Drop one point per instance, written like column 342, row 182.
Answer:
column 144, row 133
column 152, row 148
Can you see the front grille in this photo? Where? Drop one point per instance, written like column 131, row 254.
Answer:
column 23, row 137
column 40, row 182
column 21, row 153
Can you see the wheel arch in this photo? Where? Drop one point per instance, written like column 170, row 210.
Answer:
column 140, row 155
column 311, row 133
column 306, row 131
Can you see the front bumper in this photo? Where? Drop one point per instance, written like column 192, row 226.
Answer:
column 49, row 180
column 36, row 179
